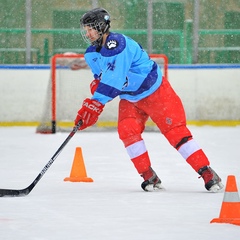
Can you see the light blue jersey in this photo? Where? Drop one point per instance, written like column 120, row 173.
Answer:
column 124, row 69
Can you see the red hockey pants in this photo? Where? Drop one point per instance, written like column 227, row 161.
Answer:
column 165, row 109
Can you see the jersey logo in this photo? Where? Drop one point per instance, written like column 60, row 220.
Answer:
column 111, row 66
column 111, row 44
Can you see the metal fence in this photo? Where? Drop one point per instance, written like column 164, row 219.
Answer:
column 167, row 27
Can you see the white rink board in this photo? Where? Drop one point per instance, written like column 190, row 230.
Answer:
column 207, row 93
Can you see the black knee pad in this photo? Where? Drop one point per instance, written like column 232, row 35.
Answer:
column 183, row 140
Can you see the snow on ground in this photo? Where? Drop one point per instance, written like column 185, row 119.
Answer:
column 113, row 207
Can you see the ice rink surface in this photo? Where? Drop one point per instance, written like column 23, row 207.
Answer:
column 113, row 207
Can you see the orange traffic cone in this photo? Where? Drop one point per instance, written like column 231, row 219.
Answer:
column 230, row 211
column 78, row 171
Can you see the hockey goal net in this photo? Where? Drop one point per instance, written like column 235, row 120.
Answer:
column 67, row 88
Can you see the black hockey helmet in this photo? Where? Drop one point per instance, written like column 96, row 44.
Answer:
column 97, row 18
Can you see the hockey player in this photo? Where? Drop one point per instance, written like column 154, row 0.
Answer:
column 122, row 68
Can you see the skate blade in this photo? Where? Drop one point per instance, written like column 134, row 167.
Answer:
column 154, row 188
column 217, row 188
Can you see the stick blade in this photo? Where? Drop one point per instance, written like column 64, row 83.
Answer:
column 14, row 193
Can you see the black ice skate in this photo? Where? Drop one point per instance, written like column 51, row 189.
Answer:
column 212, row 180
column 152, row 181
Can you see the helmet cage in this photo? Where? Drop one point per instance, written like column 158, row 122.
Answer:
column 100, row 27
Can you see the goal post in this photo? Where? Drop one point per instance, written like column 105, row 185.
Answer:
column 68, row 86
column 61, row 80
column 67, row 60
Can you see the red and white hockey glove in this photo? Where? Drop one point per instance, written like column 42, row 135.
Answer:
column 89, row 113
column 94, row 85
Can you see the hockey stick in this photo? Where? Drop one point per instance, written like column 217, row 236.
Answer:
column 27, row 190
